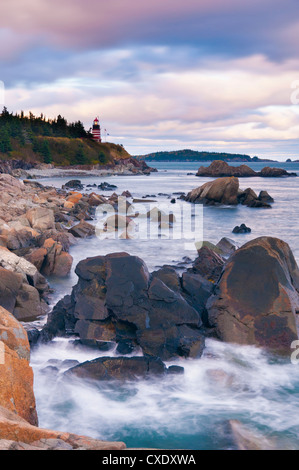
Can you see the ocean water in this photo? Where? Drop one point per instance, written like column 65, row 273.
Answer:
column 189, row 411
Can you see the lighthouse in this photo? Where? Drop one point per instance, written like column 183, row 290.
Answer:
column 96, row 130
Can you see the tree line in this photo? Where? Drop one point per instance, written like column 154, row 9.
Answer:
column 28, row 129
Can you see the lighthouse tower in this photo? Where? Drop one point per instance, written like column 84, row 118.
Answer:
column 96, row 130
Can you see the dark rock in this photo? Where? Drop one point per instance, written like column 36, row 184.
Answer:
column 73, row 184
column 106, row 186
column 241, row 229
column 249, row 198
column 227, row 246
column 117, row 300
column 256, row 299
column 82, row 230
column 264, row 196
column 119, row 368
column 175, row 370
column 169, row 276
column 275, row 172
column 197, row 290
column 33, row 336
column 208, row 264
column 219, row 168
column 125, row 347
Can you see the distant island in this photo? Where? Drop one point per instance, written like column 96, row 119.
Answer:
column 188, row 155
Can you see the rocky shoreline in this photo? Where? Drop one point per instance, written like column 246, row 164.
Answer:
column 247, row 295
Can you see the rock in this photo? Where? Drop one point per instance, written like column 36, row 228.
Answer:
column 246, row 439
column 275, row 172
column 41, row 218
column 264, row 196
column 95, row 200
column 28, row 306
column 169, row 276
column 10, row 184
column 249, row 198
column 74, row 197
column 28, row 271
column 219, row 191
column 219, row 168
column 37, row 257
column 26, row 436
column 227, row 246
column 241, row 229
column 225, row 191
column 10, row 285
column 118, row 368
column 63, row 264
column 16, row 377
column 208, row 264
column 82, row 230
column 197, row 291
column 174, row 370
column 116, row 299
column 19, row 297
column 126, row 194
column 56, row 262
column 106, row 186
column 256, row 300
column 73, row 184
column 118, row 222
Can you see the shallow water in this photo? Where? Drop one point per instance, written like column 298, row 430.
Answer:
column 189, row 411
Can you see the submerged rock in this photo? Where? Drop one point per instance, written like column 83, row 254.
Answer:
column 247, row 439
column 118, row 368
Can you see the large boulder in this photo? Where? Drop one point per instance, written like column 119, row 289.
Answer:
column 117, row 299
column 16, row 376
column 225, row 191
column 41, row 218
column 19, row 297
column 256, row 300
column 10, row 184
column 219, row 191
column 20, row 265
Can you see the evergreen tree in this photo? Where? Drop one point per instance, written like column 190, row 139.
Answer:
column 102, row 158
column 46, row 152
column 80, row 155
column 5, row 143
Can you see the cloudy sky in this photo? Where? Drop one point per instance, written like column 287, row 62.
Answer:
column 161, row 75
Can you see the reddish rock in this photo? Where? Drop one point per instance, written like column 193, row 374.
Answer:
column 256, row 300
column 16, row 376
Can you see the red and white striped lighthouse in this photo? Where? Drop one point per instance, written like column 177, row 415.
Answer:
column 96, row 130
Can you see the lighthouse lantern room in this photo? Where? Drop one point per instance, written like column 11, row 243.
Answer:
column 96, row 130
